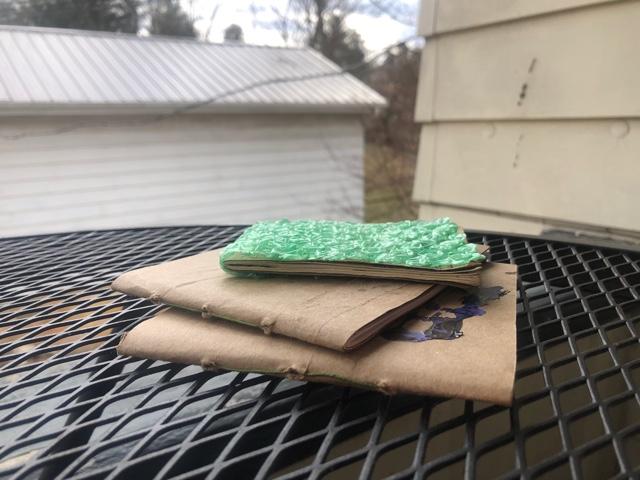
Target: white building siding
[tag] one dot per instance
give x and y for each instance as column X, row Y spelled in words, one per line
column 203, row 169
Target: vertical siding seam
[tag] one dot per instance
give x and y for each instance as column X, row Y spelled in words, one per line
column 432, row 168
column 436, row 13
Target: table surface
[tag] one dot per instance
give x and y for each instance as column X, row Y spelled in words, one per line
column 70, row 407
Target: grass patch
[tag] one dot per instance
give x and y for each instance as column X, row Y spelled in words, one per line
column 388, row 184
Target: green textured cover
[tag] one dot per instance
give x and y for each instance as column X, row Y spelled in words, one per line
column 436, row 244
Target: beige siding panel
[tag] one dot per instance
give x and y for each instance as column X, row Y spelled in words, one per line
column 122, row 172
column 582, row 64
column 437, row 16
column 483, row 221
column 427, row 81
column 427, row 14
column 491, row 221
column 584, row 172
column 425, row 164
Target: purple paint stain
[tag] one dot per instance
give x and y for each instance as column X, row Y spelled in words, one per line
column 449, row 327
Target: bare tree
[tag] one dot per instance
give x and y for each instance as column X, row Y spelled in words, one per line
column 104, row 15
column 168, row 18
column 306, row 21
column 212, row 17
column 401, row 12
column 392, row 135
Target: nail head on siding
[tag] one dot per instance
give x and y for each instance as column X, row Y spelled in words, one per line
column 620, row 129
column 489, row 130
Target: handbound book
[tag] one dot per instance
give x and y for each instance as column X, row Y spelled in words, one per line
column 460, row 344
column 336, row 313
column 419, row 251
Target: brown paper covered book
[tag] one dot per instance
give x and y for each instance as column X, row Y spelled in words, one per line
column 340, row 314
column 464, row 276
column 434, row 251
column 413, row 357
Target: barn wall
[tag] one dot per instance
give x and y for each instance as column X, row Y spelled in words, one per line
column 530, row 114
column 63, row 174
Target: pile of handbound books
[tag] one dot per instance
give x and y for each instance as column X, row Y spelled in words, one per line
column 406, row 307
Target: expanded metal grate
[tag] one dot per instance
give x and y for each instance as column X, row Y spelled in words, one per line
column 70, row 407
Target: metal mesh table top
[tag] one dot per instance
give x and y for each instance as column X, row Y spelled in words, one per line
column 70, row 407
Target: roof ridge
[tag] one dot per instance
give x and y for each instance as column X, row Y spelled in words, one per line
column 134, row 36
column 82, row 71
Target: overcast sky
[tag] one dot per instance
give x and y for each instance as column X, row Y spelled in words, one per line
column 377, row 32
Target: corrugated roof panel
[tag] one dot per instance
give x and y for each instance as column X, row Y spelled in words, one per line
column 23, row 73
column 216, row 70
column 108, row 68
column 199, row 89
column 38, row 63
column 200, row 68
column 59, row 68
column 4, row 94
column 87, row 67
column 290, row 92
column 65, row 83
column 123, row 75
column 16, row 91
column 147, row 69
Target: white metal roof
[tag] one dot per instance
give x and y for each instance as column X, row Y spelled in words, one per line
column 45, row 70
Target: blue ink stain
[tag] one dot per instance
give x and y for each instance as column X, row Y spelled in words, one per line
column 449, row 327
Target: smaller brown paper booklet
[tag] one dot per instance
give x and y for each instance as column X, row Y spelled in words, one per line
column 463, row 276
column 336, row 313
column 461, row 344
column 466, row 276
